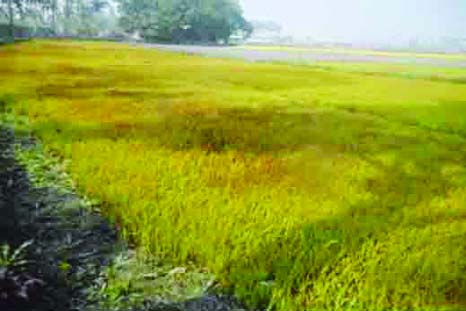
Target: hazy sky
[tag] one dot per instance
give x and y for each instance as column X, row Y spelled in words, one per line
column 363, row 20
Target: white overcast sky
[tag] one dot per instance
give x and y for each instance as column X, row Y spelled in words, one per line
column 363, row 20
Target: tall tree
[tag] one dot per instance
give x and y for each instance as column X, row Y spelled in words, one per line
column 184, row 20
column 11, row 24
column 138, row 15
column 54, row 12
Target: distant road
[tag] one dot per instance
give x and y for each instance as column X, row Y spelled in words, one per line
column 251, row 53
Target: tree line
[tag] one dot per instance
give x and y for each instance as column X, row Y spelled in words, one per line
column 59, row 17
column 184, row 20
column 179, row 21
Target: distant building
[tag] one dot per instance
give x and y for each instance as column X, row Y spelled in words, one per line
column 266, row 32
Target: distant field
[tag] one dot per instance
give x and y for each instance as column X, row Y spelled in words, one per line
column 327, row 186
column 353, row 51
column 313, row 54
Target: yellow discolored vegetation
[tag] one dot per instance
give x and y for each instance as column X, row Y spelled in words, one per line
column 301, row 187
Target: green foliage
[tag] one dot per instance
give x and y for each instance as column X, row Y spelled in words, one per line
column 132, row 279
column 15, row 284
column 138, row 15
column 156, row 20
column 13, row 259
column 52, row 17
column 45, row 171
column 184, row 20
